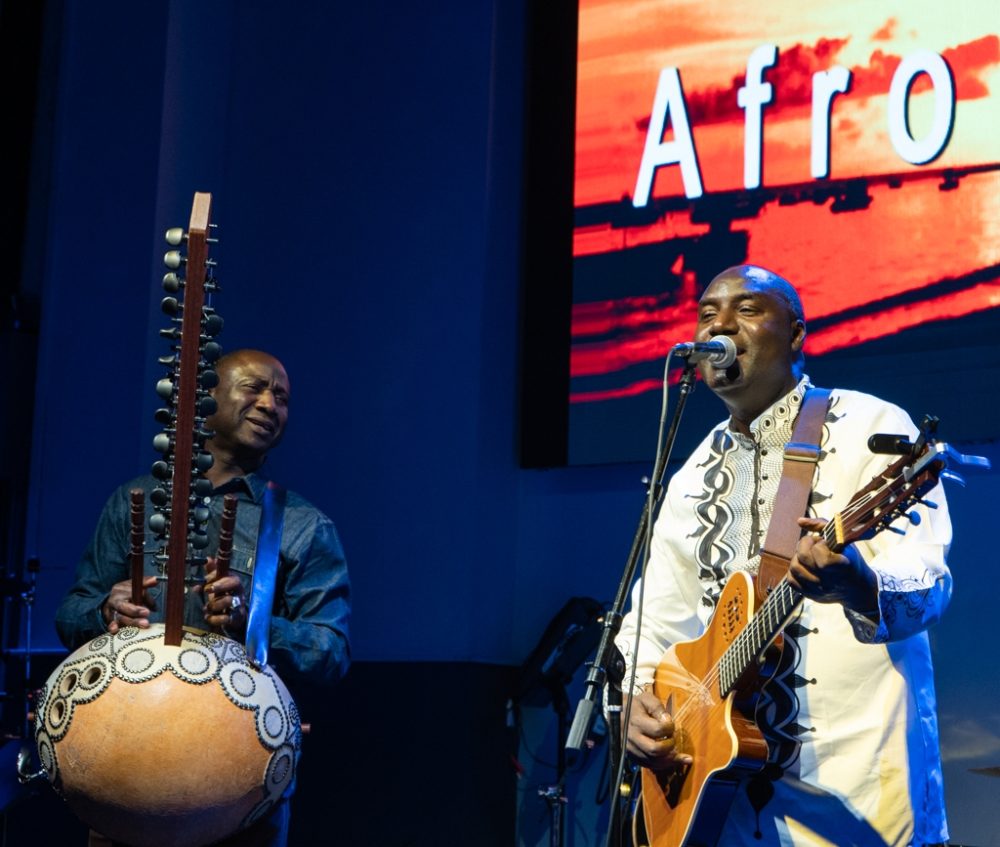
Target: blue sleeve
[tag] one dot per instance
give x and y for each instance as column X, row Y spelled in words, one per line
column 910, row 564
column 104, row 563
column 309, row 632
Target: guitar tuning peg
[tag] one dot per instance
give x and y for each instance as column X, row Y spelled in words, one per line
column 914, row 518
column 161, row 470
column 167, row 361
column 203, row 461
column 165, row 388
column 161, row 442
column 211, row 351
column 174, row 235
column 170, row 306
column 895, row 529
column 951, row 476
column 212, row 325
column 199, row 540
column 202, row 487
column 201, row 513
column 159, row 497
column 173, row 259
column 158, row 523
column 208, row 379
column 207, row 407
column 163, row 417
column 171, row 282
column 170, row 332
column 930, row 504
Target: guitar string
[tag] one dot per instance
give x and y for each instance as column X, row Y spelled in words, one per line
column 861, row 503
column 865, row 501
column 740, row 644
column 751, row 640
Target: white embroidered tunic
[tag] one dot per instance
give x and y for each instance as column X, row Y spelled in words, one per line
column 850, row 715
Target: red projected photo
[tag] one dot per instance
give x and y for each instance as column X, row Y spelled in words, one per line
column 853, row 147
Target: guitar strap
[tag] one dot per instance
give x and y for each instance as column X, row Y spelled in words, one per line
column 265, row 574
column 794, row 488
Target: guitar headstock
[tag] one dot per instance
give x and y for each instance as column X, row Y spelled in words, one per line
column 904, row 484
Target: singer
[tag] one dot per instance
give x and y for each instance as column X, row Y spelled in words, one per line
column 849, row 716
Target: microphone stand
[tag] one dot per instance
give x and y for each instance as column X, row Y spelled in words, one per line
column 609, row 665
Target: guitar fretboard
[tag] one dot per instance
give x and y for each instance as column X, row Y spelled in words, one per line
column 871, row 509
column 749, row 646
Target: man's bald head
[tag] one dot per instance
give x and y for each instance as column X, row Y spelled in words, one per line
column 252, row 398
column 761, row 313
column 778, row 285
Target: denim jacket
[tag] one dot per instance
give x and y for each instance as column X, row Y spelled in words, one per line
column 309, row 625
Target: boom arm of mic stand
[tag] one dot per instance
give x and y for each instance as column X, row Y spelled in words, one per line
column 605, row 662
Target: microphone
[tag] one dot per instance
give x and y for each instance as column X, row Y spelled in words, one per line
column 885, row 442
column 719, row 351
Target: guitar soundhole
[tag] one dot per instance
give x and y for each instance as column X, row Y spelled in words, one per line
column 733, row 621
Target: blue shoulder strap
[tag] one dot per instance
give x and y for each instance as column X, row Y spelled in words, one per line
column 265, row 574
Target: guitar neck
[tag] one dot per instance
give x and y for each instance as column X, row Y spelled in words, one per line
column 781, row 604
column 871, row 509
column 748, row 647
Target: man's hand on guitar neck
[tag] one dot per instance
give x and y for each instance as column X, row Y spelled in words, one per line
column 650, row 734
column 828, row 577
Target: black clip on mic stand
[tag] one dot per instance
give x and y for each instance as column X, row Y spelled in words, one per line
column 608, row 664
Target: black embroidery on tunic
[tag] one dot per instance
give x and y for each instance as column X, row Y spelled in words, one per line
column 910, row 597
column 715, row 516
column 778, row 706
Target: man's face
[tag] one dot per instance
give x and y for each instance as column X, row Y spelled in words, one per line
column 742, row 304
column 252, row 397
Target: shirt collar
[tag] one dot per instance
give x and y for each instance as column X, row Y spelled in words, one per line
column 774, row 424
column 253, row 484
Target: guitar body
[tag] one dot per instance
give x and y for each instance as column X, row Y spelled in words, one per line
column 689, row 806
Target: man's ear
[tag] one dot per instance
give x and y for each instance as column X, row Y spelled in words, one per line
column 798, row 335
